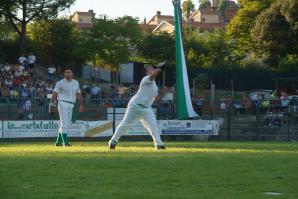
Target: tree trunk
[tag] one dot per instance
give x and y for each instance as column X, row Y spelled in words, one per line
column 23, row 29
column 23, row 37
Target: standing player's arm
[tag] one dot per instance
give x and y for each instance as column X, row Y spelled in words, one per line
column 80, row 99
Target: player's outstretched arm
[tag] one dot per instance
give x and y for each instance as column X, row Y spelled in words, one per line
column 154, row 75
column 159, row 68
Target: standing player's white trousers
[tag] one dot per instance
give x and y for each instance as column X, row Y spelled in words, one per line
column 65, row 113
column 132, row 116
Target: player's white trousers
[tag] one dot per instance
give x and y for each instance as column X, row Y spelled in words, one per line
column 132, row 116
column 65, row 112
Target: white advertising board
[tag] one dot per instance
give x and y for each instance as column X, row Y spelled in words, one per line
column 189, row 127
column 49, row 128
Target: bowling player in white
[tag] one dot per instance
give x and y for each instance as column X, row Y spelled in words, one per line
column 139, row 109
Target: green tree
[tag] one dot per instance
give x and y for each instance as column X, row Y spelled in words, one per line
column 204, row 4
column 222, row 6
column 273, row 35
column 238, row 30
column 289, row 9
column 20, row 13
column 111, row 41
column 155, row 48
column 56, row 41
column 187, row 7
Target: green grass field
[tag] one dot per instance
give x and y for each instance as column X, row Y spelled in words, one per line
column 186, row 170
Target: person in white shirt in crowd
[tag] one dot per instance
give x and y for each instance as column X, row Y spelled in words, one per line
column 49, row 88
column 21, row 68
column 139, row 108
column 86, row 91
column 66, row 91
column 95, row 92
column 51, row 72
column 284, row 101
column 223, row 104
column 22, row 60
column 31, row 63
column 6, row 68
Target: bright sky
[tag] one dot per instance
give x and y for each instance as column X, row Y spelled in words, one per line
column 119, row 8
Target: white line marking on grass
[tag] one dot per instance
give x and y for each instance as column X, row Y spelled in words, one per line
column 273, row 193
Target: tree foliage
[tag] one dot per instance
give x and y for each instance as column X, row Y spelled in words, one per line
column 111, row 41
column 20, row 12
column 156, row 48
column 238, row 30
column 204, row 4
column 187, row 7
column 56, row 41
column 272, row 35
column 222, row 6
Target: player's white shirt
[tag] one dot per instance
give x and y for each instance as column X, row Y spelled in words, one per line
column 146, row 94
column 67, row 90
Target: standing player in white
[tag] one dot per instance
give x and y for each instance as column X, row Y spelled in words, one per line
column 66, row 91
column 139, row 108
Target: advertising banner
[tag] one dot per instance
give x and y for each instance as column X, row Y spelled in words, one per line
column 49, row 128
column 189, row 127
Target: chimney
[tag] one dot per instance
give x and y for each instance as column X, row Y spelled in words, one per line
column 145, row 22
column 90, row 11
column 158, row 13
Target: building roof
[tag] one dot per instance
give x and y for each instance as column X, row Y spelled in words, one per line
column 161, row 24
column 89, row 13
column 161, row 17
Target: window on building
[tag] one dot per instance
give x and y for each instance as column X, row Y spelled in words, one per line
column 203, row 19
column 80, row 20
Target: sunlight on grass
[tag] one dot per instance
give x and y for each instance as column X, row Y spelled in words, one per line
column 37, row 149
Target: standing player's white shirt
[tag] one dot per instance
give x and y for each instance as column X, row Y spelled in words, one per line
column 146, row 94
column 67, row 90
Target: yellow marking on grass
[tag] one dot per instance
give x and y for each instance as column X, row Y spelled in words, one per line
column 77, row 148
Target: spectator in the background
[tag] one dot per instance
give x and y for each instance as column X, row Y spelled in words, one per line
column 284, row 101
column 22, row 60
column 27, row 109
column 31, row 63
column 223, row 104
column 247, row 104
column 256, row 98
column 51, row 72
column 86, row 90
column 199, row 103
column 95, row 92
column 41, row 101
column 49, row 88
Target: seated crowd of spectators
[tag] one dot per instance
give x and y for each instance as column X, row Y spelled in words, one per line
column 273, row 107
column 18, row 85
